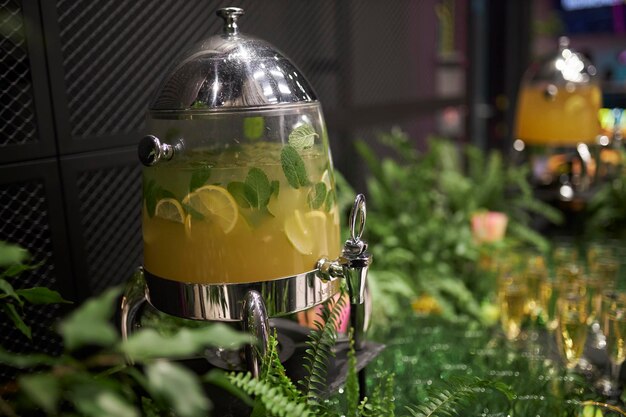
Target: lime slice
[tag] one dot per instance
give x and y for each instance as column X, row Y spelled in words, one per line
column 170, row 209
column 214, row 203
column 299, row 234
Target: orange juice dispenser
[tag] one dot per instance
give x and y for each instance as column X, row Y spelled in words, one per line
column 240, row 220
column 557, row 124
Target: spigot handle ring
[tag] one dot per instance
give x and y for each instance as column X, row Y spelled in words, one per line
column 357, row 218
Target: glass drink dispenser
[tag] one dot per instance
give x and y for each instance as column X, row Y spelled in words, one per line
column 557, row 122
column 240, row 220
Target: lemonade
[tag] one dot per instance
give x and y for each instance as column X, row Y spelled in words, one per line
column 251, row 212
column 547, row 115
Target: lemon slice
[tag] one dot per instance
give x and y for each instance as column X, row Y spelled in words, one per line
column 299, row 234
column 170, row 209
column 214, row 203
column 316, row 222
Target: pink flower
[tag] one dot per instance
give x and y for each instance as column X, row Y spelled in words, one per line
column 489, row 226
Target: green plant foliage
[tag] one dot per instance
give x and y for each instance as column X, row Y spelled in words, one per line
column 12, row 300
column 90, row 323
column 151, row 344
column 276, row 403
column 320, row 344
column 458, row 393
column 606, row 212
column 419, row 221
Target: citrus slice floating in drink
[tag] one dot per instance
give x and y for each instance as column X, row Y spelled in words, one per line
column 316, row 223
column 299, row 233
column 214, row 203
column 170, row 209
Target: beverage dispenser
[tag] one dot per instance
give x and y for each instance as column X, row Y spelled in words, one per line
column 240, row 217
column 557, row 124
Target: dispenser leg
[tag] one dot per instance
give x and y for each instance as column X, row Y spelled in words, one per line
column 255, row 321
column 133, row 301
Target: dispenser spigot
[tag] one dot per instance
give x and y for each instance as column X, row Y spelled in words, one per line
column 354, row 262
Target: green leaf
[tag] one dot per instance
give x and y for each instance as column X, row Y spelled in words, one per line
column 330, row 200
column 23, row 361
column 41, row 295
column 238, row 190
column 199, row 177
column 11, row 311
column 150, row 344
column 17, row 269
column 220, row 379
column 43, row 389
column 149, row 192
column 317, row 195
column 275, row 187
column 90, row 323
column 153, row 193
column 258, row 185
column 94, row 398
column 179, row 387
column 195, row 214
column 253, row 127
column 11, row 254
column 302, row 137
column 7, row 289
column 293, row 167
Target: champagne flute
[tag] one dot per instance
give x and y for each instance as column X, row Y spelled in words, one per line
column 614, row 329
column 572, row 326
column 512, row 295
column 536, row 276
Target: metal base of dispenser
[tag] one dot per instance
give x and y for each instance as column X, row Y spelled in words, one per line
column 224, row 302
column 250, row 303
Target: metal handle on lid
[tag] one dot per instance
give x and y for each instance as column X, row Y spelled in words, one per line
column 230, row 16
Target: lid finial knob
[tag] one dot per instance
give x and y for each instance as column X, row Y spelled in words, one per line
column 230, row 16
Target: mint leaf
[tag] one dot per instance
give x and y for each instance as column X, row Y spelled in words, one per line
column 195, row 214
column 258, row 187
column 238, row 190
column 149, row 192
column 153, row 193
column 275, row 186
column 302, row 137
column 330, row 200
column 293, row 167
column 199, row 177
column 253, row 127
column 317, row 195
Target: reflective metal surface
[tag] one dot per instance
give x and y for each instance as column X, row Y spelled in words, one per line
column 152, row 150
column 224, row 302
column 230, row 71
column 255, row 322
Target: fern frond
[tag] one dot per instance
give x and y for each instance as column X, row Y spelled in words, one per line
column 320, row 344
column 270, row 396
column 458, row 393
column 273, row 372
column 352, row 381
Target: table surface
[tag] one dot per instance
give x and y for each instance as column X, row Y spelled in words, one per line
column 425, row 352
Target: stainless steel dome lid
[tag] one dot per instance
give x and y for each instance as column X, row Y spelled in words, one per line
column 565, row 67
column 231, row 71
